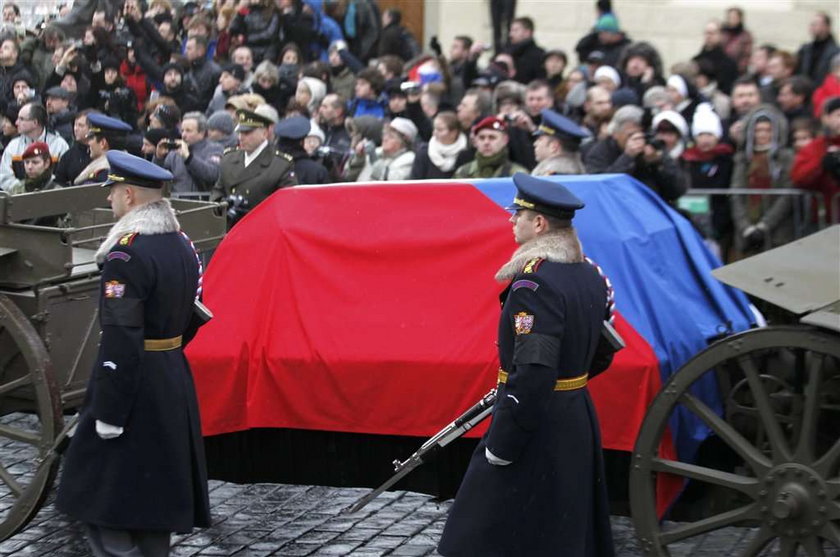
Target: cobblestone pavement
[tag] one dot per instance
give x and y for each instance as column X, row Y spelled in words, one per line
column 292, row 520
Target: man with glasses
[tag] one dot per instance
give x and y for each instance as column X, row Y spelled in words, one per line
column 31, row 125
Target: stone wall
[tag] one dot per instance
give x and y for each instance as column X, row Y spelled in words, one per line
column 675, row 27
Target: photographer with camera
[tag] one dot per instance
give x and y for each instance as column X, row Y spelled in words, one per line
column 628, row 150
column 193, row 160
column 817, row 165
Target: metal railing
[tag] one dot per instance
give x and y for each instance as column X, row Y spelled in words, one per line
column 808, row 210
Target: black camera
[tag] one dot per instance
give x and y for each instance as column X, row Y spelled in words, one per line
column 170, row 143
column 238, row 207
column 655, row 142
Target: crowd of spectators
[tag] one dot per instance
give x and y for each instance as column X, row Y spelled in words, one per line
column 377, row 106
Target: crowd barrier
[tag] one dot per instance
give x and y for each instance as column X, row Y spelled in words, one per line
column 808, row 210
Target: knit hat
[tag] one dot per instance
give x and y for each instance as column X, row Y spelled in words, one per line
column 154, row 135
column 110, row 62
column 608, row 72
column 222, row 121
column 678, row 82
column 316, row 131
column 172, row 66
column 405, row 128
column 706, row 121
column 607, row 22
column 672, row 117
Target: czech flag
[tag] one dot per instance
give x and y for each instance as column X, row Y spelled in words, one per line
column 372, row 308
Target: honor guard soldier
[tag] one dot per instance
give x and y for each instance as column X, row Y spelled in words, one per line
column 105, row 134
column 557, row 147
column 290, row 135
column 135, row 468
column 254, row 170
column 535, row 484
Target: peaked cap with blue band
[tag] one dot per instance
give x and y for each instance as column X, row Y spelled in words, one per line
column 544, row 196
column 101, row 124
column 293, row 127
column 555, row 124
column 128, row 169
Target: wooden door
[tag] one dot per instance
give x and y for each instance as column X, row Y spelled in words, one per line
column 412, row 15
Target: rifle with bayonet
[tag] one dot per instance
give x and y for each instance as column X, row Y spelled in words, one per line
column 462, row 424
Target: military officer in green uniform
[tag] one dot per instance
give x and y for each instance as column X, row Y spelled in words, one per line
column 490, row 138
column 254, row 170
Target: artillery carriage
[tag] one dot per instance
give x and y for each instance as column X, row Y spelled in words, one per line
column 49, row 333
column 771, row 460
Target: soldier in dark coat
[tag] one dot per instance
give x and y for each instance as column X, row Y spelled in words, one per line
column 255, row 170
column 135, row 469
column 290, row 134
column 535, row 484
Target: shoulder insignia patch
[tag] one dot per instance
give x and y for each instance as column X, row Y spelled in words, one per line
column 529, row 284
column 118, row 256
column 532, row 265
column 127, row 239
column 523, row 323
column 114, row 289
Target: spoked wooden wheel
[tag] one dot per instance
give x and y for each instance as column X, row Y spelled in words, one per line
column 30, row 420
column 782, row 478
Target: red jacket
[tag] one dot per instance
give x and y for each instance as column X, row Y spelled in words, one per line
column 135, row 79
column 808, row 173
column 829, row 88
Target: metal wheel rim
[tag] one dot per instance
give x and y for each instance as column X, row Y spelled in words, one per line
column 41, row 378
column 645, row 462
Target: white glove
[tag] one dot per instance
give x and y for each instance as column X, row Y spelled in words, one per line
column 494, row 460
column 108, row 431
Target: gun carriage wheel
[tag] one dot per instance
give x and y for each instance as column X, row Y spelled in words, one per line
column 779, row 426
column 30, row 406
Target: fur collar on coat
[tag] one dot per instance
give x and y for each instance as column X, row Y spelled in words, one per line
column 156, row 217
column 558, row 246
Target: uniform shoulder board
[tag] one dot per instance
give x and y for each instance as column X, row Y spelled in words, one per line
column 230, row 150
column 532, row 265
column 127, row 239
column 286, row 156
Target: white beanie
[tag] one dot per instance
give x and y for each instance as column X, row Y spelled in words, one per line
column 404, row 127
column 316, row 131
column 674, row 118
column 706, row 121
column 610, row 73
column 678, row 83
